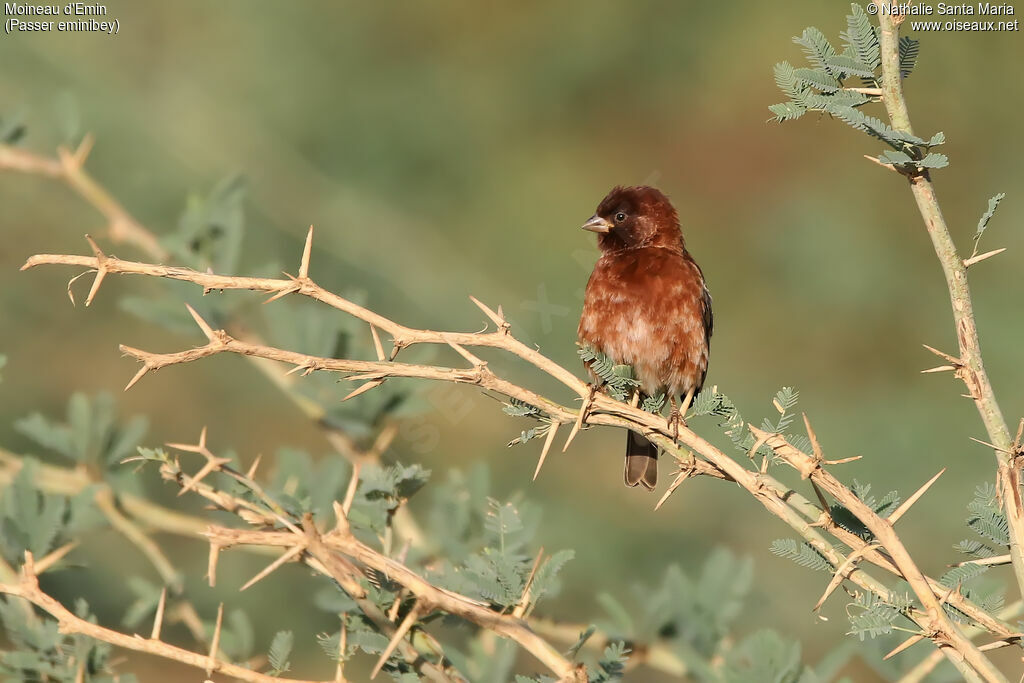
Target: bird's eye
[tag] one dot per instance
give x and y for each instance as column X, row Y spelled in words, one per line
column 619, row 217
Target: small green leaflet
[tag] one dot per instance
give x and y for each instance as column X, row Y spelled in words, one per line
column 280, row 649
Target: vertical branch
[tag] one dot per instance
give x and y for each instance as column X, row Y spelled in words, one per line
column 972, row 370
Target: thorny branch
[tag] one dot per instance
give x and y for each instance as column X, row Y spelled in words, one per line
column 156, row 518
column 801, row 514
column 603, row 410
column 338, row 554
column 28, row 588
column 969, row 366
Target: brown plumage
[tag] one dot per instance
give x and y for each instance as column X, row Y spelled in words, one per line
column 646, row 305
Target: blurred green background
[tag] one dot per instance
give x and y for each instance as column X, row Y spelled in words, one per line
column 446, row 149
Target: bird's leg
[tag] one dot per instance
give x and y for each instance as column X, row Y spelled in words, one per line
column 676, row 416
column 673, row 419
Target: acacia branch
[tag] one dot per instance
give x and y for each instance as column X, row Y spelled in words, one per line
column 66, row 481
column 600, row 409
column 336, row 554
column 429, row 597
column 69, row 482
column 28, row 589
column 304, row 286
column 921, row 670
column 957, row 647
column 969, row 366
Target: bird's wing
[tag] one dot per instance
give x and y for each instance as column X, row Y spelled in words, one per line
column 709, row 317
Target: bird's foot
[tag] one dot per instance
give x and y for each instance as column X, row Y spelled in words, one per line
column 588, row 402
column 678, row 415
column 675, row 418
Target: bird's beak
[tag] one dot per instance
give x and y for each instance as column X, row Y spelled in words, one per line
column 597, row 224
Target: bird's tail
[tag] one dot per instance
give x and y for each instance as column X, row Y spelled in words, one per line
column 641, row 462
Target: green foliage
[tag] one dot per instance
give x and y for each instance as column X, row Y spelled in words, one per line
column 38, row 651
column 993, row 204
column 870, row 616
column 960, row 575
column 874, row 127
column 91, row 435
column 382, row 489
column 517, row 408
column 361, row 636
column 801, row 552
column 909, row 49
column 12, row 128
column 237, row 635
column 821, row 80
column 765, row 656
column 393, row 483
column 861, row 41
column 308, row 328
column 581, row 641
column 823, row 88
column 933, row 160
column 617, row 379
column 987, row 518
column 37, row 522
column 816, row 47
column 712, row 403
column 653, row 404
column 974, row 548
column 482, row 551
column 786, row 111
column 692, row 615
column 301, row 484
column 882, row 507
column 612, row 663
column 280, row 650
column 210, row 231
column 694, row 618
column 989, row 597
column 147, row 596
column 490, row 662
column 849, row 66
column 459, row 505
column 498, row 571
column 528, row 435
column 208, row 237
column 737, row 429
column 785, row 401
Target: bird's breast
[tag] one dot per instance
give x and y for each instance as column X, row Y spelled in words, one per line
column 645, row 310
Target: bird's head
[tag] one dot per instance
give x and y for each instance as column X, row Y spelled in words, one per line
column 634, row 217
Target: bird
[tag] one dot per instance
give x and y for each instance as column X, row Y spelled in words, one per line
column 647, row 305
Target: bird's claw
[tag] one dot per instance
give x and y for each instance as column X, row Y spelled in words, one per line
column 675, row 419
